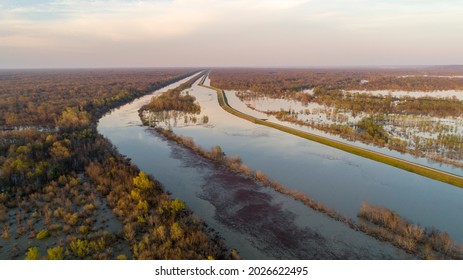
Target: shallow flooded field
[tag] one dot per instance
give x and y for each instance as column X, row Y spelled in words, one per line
column 401, row 127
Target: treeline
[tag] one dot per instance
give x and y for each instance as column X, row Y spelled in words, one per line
column 68, row 194
column 358, row 103
column 386, row 225
column 278, row 82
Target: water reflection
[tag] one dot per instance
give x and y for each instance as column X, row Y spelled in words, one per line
column 259, row 222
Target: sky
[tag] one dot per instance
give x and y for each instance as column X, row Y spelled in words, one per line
column 229, row 33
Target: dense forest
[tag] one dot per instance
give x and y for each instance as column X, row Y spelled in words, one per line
column 66, row 193
column 277, row 81
column 38, row 97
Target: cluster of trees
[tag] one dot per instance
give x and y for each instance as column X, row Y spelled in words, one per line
column 370, row 129
column 68, row 193
column 426, row 243
column 172, row 106
column 174, row 100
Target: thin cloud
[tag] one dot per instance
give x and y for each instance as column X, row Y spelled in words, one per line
column 229, row 32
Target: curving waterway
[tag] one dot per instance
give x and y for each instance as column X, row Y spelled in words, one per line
column 261, row 223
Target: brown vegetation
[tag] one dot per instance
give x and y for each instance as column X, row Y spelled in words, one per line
column 279, row 82
column 39, row 97
column 386, row 225
column 155, row 226
column 173, row 105
column 357, row 103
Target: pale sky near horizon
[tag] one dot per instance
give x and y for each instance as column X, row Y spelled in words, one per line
column 229, row 33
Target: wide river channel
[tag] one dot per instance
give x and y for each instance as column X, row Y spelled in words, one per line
column 263, row 224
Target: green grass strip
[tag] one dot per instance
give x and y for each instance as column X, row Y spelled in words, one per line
column 396, row 162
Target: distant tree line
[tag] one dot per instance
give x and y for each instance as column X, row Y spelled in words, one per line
column 277, row 82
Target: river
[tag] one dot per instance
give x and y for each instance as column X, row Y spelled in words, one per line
column 261, row 223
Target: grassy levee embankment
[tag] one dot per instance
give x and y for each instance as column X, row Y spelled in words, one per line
column 396, row 162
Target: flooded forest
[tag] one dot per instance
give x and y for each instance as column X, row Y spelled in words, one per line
column 148, row 164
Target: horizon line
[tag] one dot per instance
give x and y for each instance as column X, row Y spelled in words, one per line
column 379, row 66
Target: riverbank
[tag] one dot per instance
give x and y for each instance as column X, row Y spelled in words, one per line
column 384, row 224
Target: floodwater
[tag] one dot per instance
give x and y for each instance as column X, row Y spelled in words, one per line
column 318, row 116
column 261, row 223
column 458, row 94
